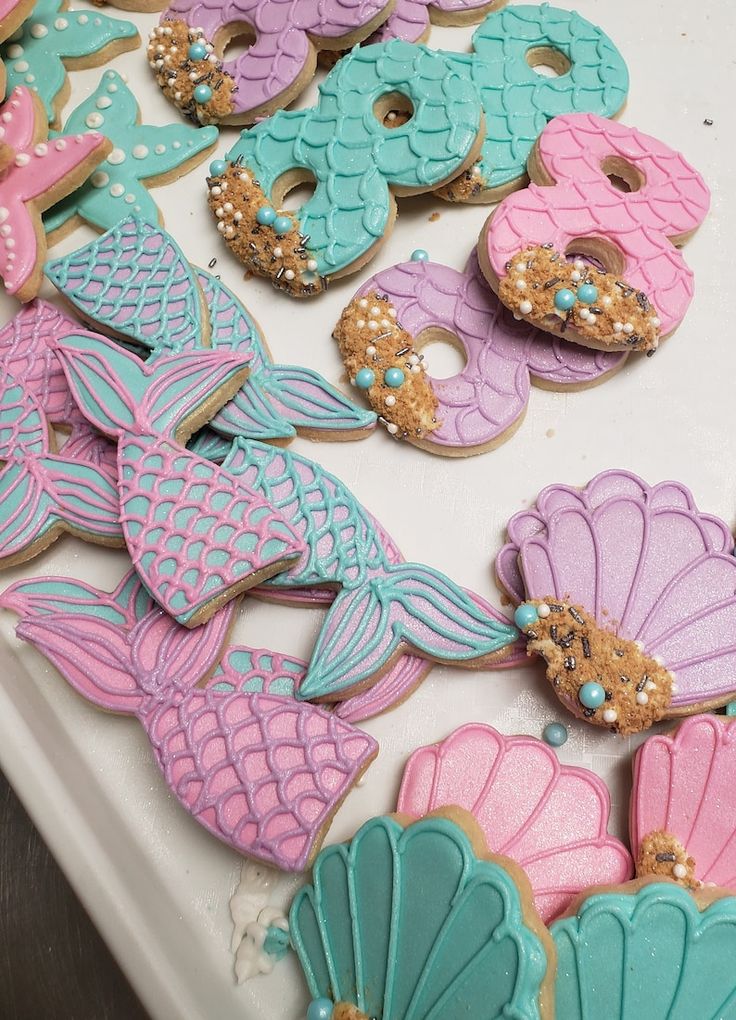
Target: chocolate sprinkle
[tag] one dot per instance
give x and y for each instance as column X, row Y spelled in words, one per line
column 665, row 857
column 576, row 615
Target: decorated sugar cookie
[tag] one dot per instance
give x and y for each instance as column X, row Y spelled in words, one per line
column 550, row 818
column 143, row 156
column 381, row 332
column 647, row 950
column 683, row 804
column 273, row 403
column 416, row 921
column 357, row 157
column 35, row 172
column 623, row 203
column 185, row 51
column 55, row 40
column 410, row 19
column 260, row 771
column 627, row 591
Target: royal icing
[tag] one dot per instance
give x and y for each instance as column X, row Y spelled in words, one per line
column 408, row 924
column 141, row 155
column 263, row 773
column 41, row 493
column 383, row 608
column 12, row 15
column 341, row 224
column 635, row 574
column 638, row 287
column 550, row 818
column 652, row 951
column 255, row 920
column 196, row 535
column 683, row 810
column 383, row 327
column 39, row 172
column 410, row 19
column 35, row 55
column 183, row 51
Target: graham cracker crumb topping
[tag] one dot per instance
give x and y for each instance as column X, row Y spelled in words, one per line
column 471, row 182
column 663, row 855
column 178, row 75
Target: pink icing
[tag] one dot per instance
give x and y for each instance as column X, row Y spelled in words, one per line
column 410, row 19
column 12, row 15
column 37, row 168
column 671, row 202
column 684, row 784
column 485, row 400
column 262, row 773
column 646, row 563
column 550, row 818
column 282, row 46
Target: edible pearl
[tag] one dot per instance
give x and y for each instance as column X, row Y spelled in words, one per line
column 526, row 615
column 289, row 274
column 312, row 265
column 628, row 328
column 679, row 871
column 618, row 327
column 393, row 429
column 555, row 734
column 591, row 695
column 370, row 350
column 642, row 698
column 278, row 252
column 526, row 307
column 390, row 400
column 521, row 284
column 543, row 610
column 610, row 715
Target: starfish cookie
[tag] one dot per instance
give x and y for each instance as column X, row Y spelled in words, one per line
column 54, row 40
column 40, row 173
column 143, row 154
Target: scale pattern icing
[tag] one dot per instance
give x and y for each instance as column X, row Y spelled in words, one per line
column 410, row 19
column 683, row 786
column 646, row 952
column 550, row 818
column 262, row 773
column 646, row 563
column 670, row 204
column 367, row 934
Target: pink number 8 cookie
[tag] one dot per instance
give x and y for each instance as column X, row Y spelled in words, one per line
column 619, row 200
column 185, row 51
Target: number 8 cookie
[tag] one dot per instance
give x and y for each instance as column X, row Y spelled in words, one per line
column 619, row 200
column 347, row 146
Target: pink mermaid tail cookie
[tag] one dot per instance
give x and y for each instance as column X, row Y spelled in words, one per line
column 628, row 592
column 197, row 537
column 631, row 285
column 484, row 404
column 550, row 818
column 185, row 51
column 683, row 804
column 35, row 172
column 262, row 772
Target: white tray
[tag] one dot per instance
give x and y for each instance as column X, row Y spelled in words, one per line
column 156, row 884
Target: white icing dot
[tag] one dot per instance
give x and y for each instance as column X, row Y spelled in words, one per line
column 94, row 120
column 39, row 31
column 15, row 51
column 642, row 698
column 117, row 190
column 4, row 213
column 99, row 179
column 543, row 610
column 9, row 242
column 140, row 151
column 610, row 715
column 618, row 327
column 362, row 303
column 289, row 274
column 159, row 150
column 41, row 149
column 29, row 79
column 82, row 19
column 21, row 67
column 525, row 307
column 112, row 88
column 521, row 284
column 679, row 871
column 116, row 157
column 103, row 103
column 177, row 145
column 390, row 400
column 628, row 328
column 130, row 199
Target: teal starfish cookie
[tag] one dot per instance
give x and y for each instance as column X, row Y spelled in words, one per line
column 53, row 40
column 143, row 155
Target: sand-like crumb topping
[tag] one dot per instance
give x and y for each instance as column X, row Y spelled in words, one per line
column 178, row 75
column 346, row 1011
column 234, row 200
column 608, row 313
column 638, row 690
column 663, row 855
column 370, row 338
column 470, row 183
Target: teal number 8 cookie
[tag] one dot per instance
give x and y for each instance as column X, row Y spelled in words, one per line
column 391, row 117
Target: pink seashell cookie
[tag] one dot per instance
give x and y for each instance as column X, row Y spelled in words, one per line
column 628, row 592
column 549, row 818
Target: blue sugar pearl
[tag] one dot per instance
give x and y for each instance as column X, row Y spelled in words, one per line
column 526, row 615
column 564, row 299
column 197, row 51
column 365, row 378
column 393, row 377
column 591, row 695
column 282, row 225
column 554, row 734
column 731, row 708
column 419, row 255
column 202, row 94
column 320, row 1009
column 217, row 167
column 266, row 216
column 587, row 293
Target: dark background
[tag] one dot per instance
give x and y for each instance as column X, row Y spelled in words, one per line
column 53, row 964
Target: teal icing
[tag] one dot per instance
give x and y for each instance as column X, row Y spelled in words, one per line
column 34, row 57
column 149, row 152
column 408, row 924
column 518, row 102
column 648, row 952
column 353, row 157
column 27, row 509
column 276, row 943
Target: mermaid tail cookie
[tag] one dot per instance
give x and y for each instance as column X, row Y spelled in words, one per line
column 263, row 773
column 196, row 536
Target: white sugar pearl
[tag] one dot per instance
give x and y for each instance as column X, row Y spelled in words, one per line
column 642, row 698
column 543, row 610
column 390, row 400
column 278, row 252
column 628, row 328
column 392, row 312
column 655, row 321
column 413, row 359
column 416, row 369
column 228, row 207
column 525, row 307
column 607, row 301
column 650, row 685
column 386, row 324
column 610, row 715
column 41, row 149
column 375, row 310
column 584, row 313
column 22, row 159
column 216, row 191
column 370, row 350
column 237, row 216
column 521, row 284
column 373, row 324
column 219, row 212
column 520, row 267
column 579, row 265
column 312, row 265
column 289, row 274
column 679, row 871
column 221, row 226
column 360, row 323
column 618, row 327
column 362, row 303
column 393, row 429
column 576, row 277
